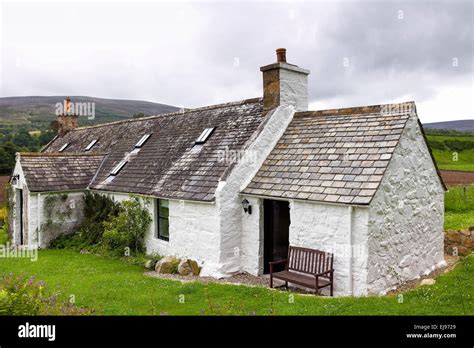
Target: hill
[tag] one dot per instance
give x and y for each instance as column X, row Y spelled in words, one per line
column 458, row 125
column 38, row 112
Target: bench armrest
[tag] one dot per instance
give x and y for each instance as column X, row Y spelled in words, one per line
column 323, row 273
column 272, row 263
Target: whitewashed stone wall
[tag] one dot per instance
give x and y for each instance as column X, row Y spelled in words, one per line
column 327, row 227
column 252, row 238
column 39, row 234
column 406, row 216
column 21, row 185
column 294, row 88
column 193, row 230
column 34, row 215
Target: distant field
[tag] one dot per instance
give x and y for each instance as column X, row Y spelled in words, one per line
column 453, row 152
column 445, row 160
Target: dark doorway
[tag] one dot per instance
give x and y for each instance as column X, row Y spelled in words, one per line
column 276, row 225
column 20, row 213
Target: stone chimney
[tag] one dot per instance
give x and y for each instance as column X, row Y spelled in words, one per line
column 67, row 121
column 284, row 84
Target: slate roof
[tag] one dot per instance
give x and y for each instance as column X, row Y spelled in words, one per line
column 59, row 172
column 169, row 165
column 337, row 156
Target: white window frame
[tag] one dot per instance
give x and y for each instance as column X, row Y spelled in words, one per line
column 142, row 140
column 63, row 147
column 118, row 168
column 206, row 133
column 91, row 144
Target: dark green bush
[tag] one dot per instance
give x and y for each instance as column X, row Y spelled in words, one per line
column 97, row 209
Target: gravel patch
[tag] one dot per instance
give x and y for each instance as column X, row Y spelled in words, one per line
column 264, row 281
column 236, row 279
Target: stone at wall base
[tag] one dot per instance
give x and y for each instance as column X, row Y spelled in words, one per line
column 427, row 282
column 167, row 265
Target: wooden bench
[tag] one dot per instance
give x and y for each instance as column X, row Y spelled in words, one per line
column 307, row 267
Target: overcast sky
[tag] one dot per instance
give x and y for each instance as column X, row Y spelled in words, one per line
column 191, row 54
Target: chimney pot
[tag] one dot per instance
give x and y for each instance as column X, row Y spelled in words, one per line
column 284, row 84
column 281, row 55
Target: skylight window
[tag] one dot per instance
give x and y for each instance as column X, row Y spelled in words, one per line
column 91, row 144
column 118, row 168
column 204, row 136
column 63, row 147
column 142, row 141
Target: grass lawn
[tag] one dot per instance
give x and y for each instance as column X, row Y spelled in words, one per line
column 459, row 207
column 113, row 287
column 458, row 221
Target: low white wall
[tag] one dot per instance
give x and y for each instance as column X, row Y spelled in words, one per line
column 39, row 232
column 326, row 227
column 406, row 216
column 193, row 232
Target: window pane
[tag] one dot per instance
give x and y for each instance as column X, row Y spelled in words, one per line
column 164, row 228
column 164, row 210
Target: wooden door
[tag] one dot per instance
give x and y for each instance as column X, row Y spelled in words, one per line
column 276, row 226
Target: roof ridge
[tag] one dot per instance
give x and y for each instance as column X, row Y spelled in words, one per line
column 58, row 154
column 208, row 107
column 390, row 109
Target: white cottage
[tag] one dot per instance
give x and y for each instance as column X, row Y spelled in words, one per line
column 359, row 182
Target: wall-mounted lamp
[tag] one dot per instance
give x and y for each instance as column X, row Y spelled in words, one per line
column 14, row 179
column 247, row 207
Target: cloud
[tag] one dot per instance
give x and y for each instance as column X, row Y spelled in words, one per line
column 198, row 53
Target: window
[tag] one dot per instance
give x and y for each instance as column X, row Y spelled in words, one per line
column 118, row 168
column 91, row 144
column 204, row 135
column 63, row 147
column 142, row 141
column 162, row 215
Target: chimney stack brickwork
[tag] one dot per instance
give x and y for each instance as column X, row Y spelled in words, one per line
column 67, row 122
column 284, row 84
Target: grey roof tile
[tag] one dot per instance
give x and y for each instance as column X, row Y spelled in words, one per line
column 169, row 165
column 345, row 151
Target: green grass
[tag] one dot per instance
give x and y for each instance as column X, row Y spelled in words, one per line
column 444, row 160
column 3, row 237
column 458, row 221
column 459, row 207
column 113, row 287
column 459, row 199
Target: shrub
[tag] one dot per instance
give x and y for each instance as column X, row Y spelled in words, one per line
column 97, row 209
column 128, row 228
column 27, row 296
